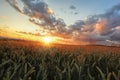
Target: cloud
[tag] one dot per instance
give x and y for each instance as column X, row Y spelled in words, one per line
column 93, row 29
column 115, row 35
column 72, row 7
column 76, row 13
column 29, row 33
column 40, row 10
column 99, row 27
column 102, row 28
column 35, row 9
column 17, row 4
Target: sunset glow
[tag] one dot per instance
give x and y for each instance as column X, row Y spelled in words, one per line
column 48, row 40
column 59, row 39
column 62, row 22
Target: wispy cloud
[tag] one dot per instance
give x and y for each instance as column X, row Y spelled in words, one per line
column 29, row 33
column 17, row 4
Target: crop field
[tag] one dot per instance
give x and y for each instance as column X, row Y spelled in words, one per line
column 26, row 60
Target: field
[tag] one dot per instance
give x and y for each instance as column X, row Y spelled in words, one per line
column 26, row 60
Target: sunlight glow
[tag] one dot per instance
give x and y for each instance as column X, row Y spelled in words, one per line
column 48, row 40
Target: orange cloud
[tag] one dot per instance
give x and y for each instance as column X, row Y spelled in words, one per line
column 100, row 26
column 4, row 17
column 50, row 11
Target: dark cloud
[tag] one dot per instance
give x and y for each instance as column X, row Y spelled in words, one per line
column 60, row 25
column 77, row 25
column 76, row 13
column 72, row 7
column 40, row 10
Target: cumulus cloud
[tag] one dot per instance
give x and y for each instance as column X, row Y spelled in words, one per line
column 40, row 10
column 95, row 28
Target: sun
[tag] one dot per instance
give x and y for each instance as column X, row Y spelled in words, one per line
column 48, row 40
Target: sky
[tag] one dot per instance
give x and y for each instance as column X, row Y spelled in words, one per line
column 81, row 8
column 68, row 21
